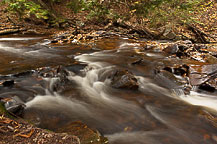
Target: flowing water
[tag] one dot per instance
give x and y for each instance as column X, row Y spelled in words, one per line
column 157, row 113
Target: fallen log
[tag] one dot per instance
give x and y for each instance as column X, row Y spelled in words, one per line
column 142, row 32
column 200, row 34
column 9, row 31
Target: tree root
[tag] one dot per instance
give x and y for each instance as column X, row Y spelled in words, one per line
column 142, row 32
column 202, row 36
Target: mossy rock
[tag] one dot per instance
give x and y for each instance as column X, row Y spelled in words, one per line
column 2, row 109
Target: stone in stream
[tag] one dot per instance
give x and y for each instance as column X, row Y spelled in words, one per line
column 137, row 62
column 50, row 72
column 123, row 79
column 181, row 70
column 171, row 49
column 59, row 72
column 200, row 74
column 167, row 79
column 183, row 48
column 205, row 77
column 14, row 105
column 180, row 48
column 26, row 73
column 207, row 87
column 63, row 82
column 169, row 69
column 8, row 83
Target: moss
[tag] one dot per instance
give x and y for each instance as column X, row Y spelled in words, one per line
column 2, row 109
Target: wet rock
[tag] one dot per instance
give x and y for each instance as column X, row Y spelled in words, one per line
column 76, row 68
column 63, row 82
column 57, row 79
column 22, row 74
column 8, row 83
column 137, row 62
column 209, row 69
column 183, row 48
column 171, row 49
column 181, row 54
column 197, row 79
column 209, row 59
column 167, row 79
column 61, row 85
column 45, row 72
column 14, row 105
column 201, row 74
column 49, row 72
column 169, row 69
column 16, row 109
column 124, row 79
column 207, row 87
column 62, row 72
column 181, row 70
column 187, row 89
column 54, row 41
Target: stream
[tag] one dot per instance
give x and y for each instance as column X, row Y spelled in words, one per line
column 154, row 111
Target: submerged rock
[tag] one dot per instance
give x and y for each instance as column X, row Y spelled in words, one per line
column 207, row 87
column 84, row 133
column 8, row 83
column 124, row 79
column 171, row 49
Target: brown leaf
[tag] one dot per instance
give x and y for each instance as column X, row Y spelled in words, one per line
column 7, row 121
column 26, row 135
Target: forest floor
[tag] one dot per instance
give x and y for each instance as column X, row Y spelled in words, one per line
column 78, row 23
column 18, row 131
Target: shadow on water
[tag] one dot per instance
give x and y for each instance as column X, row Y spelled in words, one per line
column 157, row 112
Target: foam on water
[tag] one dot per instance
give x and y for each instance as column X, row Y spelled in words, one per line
column 201, row 99
column 10, row 49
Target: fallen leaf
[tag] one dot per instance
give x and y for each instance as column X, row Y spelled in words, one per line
column 26, row 135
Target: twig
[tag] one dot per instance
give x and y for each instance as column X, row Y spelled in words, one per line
column 2, row 131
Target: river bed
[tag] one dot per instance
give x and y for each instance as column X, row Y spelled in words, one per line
column 157, row 111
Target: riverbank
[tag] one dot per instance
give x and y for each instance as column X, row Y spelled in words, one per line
column 78, row 24
column 16, row 130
